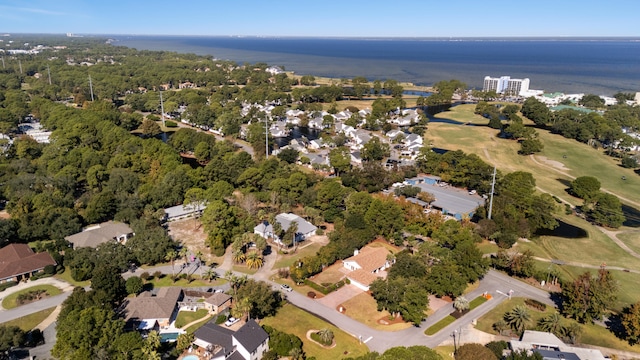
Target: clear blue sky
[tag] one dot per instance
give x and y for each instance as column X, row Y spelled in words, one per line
column 357, row 18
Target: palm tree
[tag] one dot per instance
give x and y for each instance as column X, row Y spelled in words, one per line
column 518, row 318
column 293, row 229
column 242, row 308
column 461, row 304
column 572, row 332
column 170, row 256
column 184, row 251
column 238, row 256
column 210, row 275
column 500, row 326
column 235, row 281
column 199, row 257
column 551, row 323
column 254, row 260
column 326, row 336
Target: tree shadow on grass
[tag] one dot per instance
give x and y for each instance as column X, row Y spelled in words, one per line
column 565, row 182
column 614, row 324
column 565, row 230
column 632, row 216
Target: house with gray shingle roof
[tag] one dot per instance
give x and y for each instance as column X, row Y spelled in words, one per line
column 305, row 228
column 150, row 311
column 250, row 342
column 95, row 235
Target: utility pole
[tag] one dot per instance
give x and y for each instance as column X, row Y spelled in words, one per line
column 161, row 108
column 49, row 73
column 91, row 88
column 493, row 185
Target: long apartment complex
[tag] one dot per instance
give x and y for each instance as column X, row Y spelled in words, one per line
column 506, row 85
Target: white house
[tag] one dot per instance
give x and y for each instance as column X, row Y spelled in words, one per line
column 550, row 347
column 305, row 228
column 366, row 265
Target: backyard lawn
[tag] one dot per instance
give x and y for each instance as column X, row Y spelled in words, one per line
column 11, row 300
column 186, row 317
column 293, row 320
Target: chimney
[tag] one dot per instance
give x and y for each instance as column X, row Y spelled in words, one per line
column 356, row 252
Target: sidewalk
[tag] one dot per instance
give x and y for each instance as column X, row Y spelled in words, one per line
column 62, row 285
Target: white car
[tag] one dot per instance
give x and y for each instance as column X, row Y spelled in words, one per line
column 286, row 287
column 231, row 321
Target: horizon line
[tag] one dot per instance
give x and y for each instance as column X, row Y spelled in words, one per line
column 443, row 37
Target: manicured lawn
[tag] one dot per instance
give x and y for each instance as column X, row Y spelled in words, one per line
column 592, row 334
column 191, row 329
column 27, row 323
column 244, row 269
column 485, row 323
column 477, row 302
column 631, row 239
column 286, row 260
column 185, row 317
column 296, row 321
column 66, row 276
column 446, row 352
column 582, row 249
column 433, row 329
column 166, row 281
column 10, row 301
column 483, row 141
column 628, row 291
column 487, row 247
column 364, row 309
column 446, row 321
column 329, row 275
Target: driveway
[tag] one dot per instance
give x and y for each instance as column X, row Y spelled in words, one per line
column 340, row 296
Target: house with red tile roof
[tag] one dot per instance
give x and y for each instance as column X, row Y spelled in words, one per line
column 18, row 261
column 366, row 265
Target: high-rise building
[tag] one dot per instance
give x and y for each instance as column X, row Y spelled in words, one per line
column 505, row 84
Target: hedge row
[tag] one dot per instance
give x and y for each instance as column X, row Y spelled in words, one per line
column 325, row 289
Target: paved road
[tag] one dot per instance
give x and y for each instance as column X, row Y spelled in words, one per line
column 376, row 340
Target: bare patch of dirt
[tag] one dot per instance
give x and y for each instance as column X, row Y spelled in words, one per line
column 388, row 321
column 4, row 215
column 556, row 164
column 190, row 233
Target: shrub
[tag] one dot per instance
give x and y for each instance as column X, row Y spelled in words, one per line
column 50, row 269
column 535, row 304
column 221, row 319
column 8, row 285
column 283, row 273
column 311, row 294
column 145, row 276
column 474, row 352
column 159, row 275
column 170, row 124
column 497, row 347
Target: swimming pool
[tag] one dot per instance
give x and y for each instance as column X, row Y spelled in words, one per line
column 191, row 357
column 169, row 337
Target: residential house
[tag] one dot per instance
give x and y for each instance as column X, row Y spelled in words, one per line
column 182, row 211
column 250, row 342
column 316, row 144
column 305, row 228
column 18, row 261
column 551, row 348
column 393, row 134
column 149, row 311
column 360, row 138
column 217, row 303
column 95, row 235
column 356, row 158
column 367, row 265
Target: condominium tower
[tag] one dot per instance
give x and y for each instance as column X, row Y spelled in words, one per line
column 506, row 85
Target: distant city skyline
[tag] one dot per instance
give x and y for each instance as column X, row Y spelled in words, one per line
column 354, row 18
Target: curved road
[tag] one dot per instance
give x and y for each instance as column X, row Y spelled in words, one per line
column 494, row 283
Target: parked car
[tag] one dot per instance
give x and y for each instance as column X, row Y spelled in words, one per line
column 286, row 287
column 231, row 321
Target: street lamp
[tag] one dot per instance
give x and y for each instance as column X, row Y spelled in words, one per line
column 455, row 348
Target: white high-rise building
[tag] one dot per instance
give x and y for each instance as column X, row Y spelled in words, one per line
column 505, row 84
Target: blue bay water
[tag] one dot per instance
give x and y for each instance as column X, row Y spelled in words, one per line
column 597, row 66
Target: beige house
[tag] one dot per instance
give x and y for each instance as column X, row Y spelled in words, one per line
column 150, row 311
column 217, row 303
column 366, row 265
column 95, row 235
